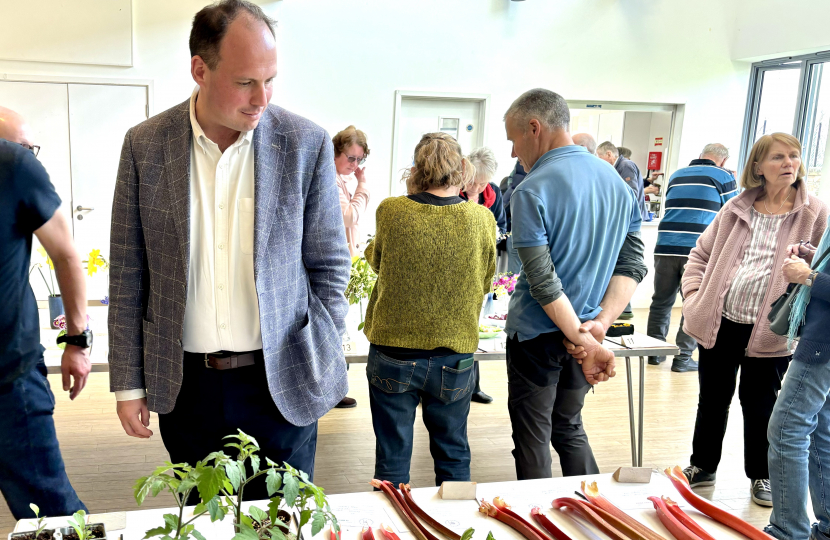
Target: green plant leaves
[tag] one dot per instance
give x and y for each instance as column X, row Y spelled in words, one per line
column 258, row 514
column 318, row 522
column 291, row 488
column 255, row 463
column 273, row 481
column 246, row 532
column 468, row 534
column 197, row 535
column 234, row 474
column 490, row 536
column 210, row 481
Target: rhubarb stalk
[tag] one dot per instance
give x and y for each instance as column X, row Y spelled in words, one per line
column 397, row 501
column 333, row 535
column 587, row 512
column 670, row 522
column 686, row 520
column 504, row 507
column 733, row 522
column 548, row 525
column 410, row 503
column 388, row 533
column 592, row 493
column 518, row 525
column 367, row 534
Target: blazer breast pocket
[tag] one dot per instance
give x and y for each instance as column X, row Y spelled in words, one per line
column 246, row 226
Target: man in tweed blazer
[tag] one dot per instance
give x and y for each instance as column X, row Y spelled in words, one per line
column 229, row 259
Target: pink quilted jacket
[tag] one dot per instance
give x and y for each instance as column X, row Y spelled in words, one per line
column 714, row 261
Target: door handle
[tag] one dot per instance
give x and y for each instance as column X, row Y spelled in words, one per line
column 84, row 208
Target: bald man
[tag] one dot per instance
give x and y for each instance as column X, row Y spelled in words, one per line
column 586, row 141
column 31, row 466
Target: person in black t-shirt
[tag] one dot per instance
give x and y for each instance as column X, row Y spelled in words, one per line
column 31, row 466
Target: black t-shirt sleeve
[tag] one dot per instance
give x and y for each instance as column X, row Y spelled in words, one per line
column 37, row 198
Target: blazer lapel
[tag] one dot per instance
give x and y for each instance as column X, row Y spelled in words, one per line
column 269, row 157
column 177, row 173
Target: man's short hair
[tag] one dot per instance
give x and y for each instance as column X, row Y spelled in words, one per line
column 549, row 108
column 211, row 24
column 624, row 152
column 715, row 150
column 608, row 146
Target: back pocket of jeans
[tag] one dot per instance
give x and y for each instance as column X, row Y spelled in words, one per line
column 390, row 375
column 455, row 384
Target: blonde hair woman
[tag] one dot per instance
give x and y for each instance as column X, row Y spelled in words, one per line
column 730, row 280
column 435, row 258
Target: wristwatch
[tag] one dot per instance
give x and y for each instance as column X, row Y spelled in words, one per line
column 811, row 279
column 83, row 340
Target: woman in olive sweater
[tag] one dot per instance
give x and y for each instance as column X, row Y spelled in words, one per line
column 435, row 259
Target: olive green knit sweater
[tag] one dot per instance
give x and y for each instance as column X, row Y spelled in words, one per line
column 434, row 266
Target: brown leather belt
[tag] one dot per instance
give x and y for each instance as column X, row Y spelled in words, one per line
column 230, row 362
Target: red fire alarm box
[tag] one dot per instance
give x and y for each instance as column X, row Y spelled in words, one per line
column 655, row 160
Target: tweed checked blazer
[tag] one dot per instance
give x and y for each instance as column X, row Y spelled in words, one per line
column 301, row 262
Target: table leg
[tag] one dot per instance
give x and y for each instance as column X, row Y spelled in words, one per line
column 631, row 412
column 642, row 408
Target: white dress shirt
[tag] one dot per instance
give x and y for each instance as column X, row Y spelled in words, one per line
column 222, row 309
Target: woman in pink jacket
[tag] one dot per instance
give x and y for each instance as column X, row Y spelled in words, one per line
column 350, row 152
column 731, row 278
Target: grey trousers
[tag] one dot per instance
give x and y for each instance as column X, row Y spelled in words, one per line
column 546, row 409
column 668, row 271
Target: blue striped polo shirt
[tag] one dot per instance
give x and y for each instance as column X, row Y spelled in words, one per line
column 694, row 196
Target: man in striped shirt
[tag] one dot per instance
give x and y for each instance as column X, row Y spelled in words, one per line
column 694, row 195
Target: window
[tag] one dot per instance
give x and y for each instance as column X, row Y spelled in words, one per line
column 792, row 95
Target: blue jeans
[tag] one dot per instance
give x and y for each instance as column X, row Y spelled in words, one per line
column 668, row 272
column 396, row 387
column 799, row 453
column 31, row 466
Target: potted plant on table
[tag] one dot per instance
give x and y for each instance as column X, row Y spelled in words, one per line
column 39, row 533
column 361, row 283
column 220, row 482
column 55, row 302
column 79, row 529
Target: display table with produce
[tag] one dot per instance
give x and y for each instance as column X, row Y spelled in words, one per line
column 356, row 512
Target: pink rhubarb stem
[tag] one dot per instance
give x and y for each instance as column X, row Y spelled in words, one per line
column 733, row 522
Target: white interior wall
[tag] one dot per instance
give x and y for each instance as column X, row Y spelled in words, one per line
column 636, row 131
column 340, row 62
column 766, row 29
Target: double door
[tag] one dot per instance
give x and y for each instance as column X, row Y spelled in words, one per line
column 80, row 129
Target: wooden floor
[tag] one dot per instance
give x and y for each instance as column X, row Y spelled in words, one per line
column 103, row 462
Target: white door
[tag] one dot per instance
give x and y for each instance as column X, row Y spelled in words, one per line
column 99, row 117
column 45, row 108
column 459, row 118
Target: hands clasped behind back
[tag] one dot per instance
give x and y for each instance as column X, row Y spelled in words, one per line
column 598, row 363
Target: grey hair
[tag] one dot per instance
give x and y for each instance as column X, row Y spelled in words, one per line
column 484, row 160
column 715, row 150
column 624, row 152
column 549, row 108
column 608, row 146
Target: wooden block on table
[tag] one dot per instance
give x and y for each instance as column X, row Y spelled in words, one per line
column 633, row 475
column 457, row 491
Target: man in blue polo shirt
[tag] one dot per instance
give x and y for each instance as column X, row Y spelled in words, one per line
column 576, row 228
column 694, row 196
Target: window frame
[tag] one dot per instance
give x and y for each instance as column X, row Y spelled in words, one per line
column 804, row 100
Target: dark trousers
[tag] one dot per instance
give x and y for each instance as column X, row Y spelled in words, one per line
column 668, row 271
column 213, row 403
column 546, row 393
column 758, row 390
column 396, row 387
column 31, row 466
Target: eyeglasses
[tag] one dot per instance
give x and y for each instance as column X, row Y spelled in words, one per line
column 35, row 149
column 360, row 160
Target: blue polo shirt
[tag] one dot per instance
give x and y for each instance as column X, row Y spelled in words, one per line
column 574, row 203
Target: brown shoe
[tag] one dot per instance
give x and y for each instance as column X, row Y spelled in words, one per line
column 346, row 403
